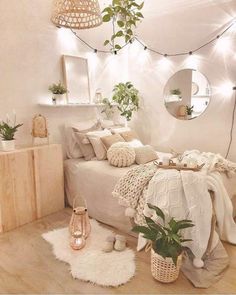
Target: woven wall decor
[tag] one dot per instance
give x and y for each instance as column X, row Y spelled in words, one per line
column 76, row 14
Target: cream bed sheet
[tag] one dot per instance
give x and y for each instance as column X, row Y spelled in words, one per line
column 95, row 181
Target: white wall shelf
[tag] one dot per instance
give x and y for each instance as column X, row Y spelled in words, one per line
column 71, row 105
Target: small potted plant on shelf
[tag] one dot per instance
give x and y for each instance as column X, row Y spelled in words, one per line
column 189, row 111
column 167, row 244
column 7, row 133
column 126, row 98
column 58, row 91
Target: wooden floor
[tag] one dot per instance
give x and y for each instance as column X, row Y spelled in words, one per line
column 27, row 265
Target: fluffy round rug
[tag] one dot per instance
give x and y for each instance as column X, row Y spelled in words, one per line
column 91, row 263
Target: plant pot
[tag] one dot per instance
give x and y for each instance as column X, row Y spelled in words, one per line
column 8, row 145
column 163, row 269
column 60, row 98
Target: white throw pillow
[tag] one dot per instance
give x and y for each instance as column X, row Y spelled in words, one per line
column 84, row 125
column 95, row 139
column 121, row 154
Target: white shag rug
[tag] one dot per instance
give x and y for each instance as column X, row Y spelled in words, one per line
column 91, row 263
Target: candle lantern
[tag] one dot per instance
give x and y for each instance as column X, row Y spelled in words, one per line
column 79, row 227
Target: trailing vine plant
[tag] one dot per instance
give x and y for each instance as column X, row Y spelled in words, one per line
column 124, row 16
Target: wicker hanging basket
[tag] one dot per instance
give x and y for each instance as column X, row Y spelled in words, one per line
column 164, row 270
column 76, row 14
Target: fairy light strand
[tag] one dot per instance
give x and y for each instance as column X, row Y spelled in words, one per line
column 146, row 47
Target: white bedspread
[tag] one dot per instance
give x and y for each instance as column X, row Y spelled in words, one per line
column 184, row 195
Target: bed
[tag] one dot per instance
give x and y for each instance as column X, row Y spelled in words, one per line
column 95, row 181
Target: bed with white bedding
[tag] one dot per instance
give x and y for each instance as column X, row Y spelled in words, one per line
column 95, row 181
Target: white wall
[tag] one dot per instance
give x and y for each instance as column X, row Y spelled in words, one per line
column 30, row 60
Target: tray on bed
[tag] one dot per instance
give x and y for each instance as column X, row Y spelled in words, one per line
column 196, row 169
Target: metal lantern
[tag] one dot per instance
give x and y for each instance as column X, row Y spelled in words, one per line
column 77, row 14
column 79, row 227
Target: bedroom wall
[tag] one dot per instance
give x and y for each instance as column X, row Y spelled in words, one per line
column 30, row 60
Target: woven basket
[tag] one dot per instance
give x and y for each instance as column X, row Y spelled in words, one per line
column 76, row 14
column 164, row 270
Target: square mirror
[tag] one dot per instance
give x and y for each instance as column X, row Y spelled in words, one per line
column 76, row 79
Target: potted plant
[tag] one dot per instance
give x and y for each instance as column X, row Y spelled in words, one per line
column 126, row 98
column 124, row 15
column 7, row 133
column 189, row 111
column 167, row 244
column 58, row 91
column 175, row 95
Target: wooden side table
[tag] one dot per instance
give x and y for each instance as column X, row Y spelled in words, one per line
column 31, row 184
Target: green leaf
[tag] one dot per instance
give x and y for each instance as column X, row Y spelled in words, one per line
column 106, row 42
column 120, row 23
column 117, row 46
column 139, row 14
column 106, row 18
column 119, row 34
column 158, row 211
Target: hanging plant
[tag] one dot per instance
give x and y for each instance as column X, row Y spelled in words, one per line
column 124, row 15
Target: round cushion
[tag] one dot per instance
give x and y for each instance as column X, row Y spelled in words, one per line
column 121, row 154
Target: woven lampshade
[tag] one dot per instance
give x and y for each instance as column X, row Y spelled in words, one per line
column 77, row 14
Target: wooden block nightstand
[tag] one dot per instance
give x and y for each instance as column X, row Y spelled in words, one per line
column 31, row 184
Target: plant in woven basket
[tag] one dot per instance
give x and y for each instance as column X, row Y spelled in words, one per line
column 124, row 15
column 57, row 88
column 127, row 98
column 167, row 240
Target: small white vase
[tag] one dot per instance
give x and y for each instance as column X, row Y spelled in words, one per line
column 60, row 98
column 8, row 145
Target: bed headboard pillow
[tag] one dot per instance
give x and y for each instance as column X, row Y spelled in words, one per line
column 95, row 139
column 72, row 148
column 85, row 146
column 145, row 154
column 121, row 154
column 109, row 140
column 115, row 130
column 80, row 129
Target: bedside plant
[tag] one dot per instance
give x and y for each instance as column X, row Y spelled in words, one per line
column 167, row 242
column 7, row 133
column 58, row 91
column 124, row 15
column 126, row 97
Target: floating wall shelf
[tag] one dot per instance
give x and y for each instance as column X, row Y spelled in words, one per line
column 71, row 105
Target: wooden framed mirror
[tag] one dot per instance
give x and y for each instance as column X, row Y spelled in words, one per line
column 76, row 79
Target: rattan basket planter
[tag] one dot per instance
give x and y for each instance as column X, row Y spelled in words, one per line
column 163, row 269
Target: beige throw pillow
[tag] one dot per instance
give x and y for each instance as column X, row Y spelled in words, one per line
column 129, row 135
column 95, row 139
column 80, row 129
column 111, row 139
column 86, row 149
column 145, row 154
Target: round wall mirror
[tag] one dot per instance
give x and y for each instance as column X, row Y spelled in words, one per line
column 187, row 94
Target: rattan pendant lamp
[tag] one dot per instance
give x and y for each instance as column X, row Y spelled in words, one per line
column 76, row 14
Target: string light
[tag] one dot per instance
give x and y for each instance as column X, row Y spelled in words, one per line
column 145, row 47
